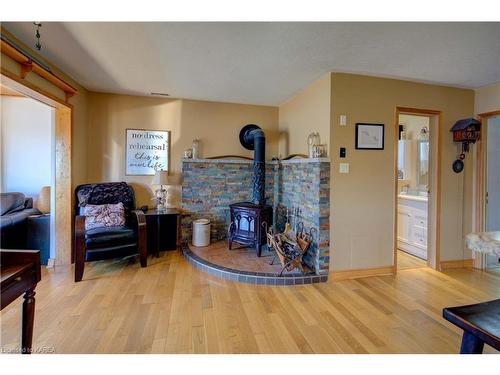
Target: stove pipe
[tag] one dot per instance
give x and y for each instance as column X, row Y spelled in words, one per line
column 252, row 137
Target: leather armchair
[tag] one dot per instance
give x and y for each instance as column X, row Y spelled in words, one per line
column 108, row 242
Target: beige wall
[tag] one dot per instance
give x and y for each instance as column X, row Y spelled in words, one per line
column 362, row 207
column 79, row 103
column 487, row 98
column 306, row 112
column 217, row 125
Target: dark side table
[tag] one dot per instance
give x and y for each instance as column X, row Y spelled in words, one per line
column 20, row 271
column 481, row 325
column 163, row 228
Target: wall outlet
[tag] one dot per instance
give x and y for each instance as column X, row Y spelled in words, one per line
column 344, row 167
column 343, row 120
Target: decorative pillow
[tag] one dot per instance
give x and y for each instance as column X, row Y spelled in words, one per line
column 43, row 201
column 104, row 215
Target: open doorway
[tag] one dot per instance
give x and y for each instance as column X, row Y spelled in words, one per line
column 61, row 207
column 27, row 174
column 416, row 189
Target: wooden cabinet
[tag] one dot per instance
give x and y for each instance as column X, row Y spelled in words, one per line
column 404, row 225
column 412, row 227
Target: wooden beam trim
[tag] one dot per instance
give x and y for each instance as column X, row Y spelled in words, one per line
column 29, row 89
column 27, row 65
column 489, row 114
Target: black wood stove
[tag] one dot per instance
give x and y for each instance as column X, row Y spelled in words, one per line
column 247, row 224
column 249, row 220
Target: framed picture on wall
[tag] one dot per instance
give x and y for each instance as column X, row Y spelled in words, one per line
column 146, row 151
column 369, row 136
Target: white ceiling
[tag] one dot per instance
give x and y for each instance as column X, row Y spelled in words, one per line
column 262, row 63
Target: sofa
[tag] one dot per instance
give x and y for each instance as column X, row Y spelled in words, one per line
column 22, row 226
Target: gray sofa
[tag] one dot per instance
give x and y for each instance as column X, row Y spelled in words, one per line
column 15, row 209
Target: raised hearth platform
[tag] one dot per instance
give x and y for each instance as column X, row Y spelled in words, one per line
column 241, row 264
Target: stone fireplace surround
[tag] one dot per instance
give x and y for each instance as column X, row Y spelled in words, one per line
column 210, row 185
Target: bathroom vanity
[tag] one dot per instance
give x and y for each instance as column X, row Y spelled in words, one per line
column 413, row 176
column 412, row 224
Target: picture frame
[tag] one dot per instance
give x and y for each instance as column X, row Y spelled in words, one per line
column 146, row 151
column 369, row 136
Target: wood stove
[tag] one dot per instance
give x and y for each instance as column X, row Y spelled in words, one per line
column 249, row 220
column 248, row 226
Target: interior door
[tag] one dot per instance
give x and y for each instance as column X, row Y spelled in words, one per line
column 493, row 175
column 493, row 181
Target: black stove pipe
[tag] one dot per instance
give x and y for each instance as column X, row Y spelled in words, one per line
column 258, row 139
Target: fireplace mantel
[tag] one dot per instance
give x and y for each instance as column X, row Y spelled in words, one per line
column 245, row 161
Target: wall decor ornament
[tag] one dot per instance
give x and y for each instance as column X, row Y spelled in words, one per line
column 147, row 151
column 464, row 131
column 369, row 136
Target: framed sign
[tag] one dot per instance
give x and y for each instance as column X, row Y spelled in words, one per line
column 146, row 151
column 369, row 136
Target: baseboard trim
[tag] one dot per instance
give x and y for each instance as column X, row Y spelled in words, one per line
column 359, row 273
column 453, row 264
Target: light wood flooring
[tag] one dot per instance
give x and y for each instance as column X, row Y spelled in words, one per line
column 408, row 261
column 171, row 307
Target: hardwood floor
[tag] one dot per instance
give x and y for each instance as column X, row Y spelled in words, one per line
column 408, row 261
column 170, row 307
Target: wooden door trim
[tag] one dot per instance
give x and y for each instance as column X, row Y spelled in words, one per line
column 481, row 171
column 437, row 220
column 63, row 126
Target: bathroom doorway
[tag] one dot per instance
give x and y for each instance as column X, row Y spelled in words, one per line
column 416, row 189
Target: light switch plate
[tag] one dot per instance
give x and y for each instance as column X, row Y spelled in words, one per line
column 344, row 167
column 343, row 120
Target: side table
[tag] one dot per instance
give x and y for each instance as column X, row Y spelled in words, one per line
column 20, row 271
column 163, row 228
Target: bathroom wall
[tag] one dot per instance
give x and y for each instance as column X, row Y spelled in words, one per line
column 412, row 126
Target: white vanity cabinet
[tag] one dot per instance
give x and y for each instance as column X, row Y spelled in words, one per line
column 412, row 225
